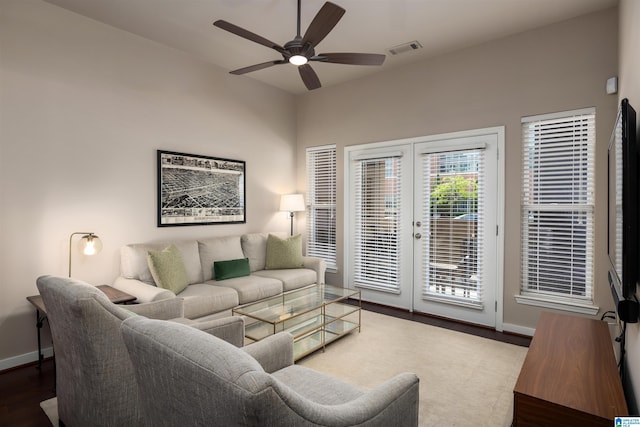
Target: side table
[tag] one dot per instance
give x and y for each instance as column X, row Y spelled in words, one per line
column 115, row 296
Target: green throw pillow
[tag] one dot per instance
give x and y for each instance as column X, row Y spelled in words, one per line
column 232, row 268
column 283, row 253
column 167, row 269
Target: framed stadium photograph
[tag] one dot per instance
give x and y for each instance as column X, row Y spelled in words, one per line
column 200, row 190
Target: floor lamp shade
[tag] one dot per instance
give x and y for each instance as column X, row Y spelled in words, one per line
column 89, row 244
column 292, row 203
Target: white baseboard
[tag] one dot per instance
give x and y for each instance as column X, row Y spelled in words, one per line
column 517, row 329
column 23, row 359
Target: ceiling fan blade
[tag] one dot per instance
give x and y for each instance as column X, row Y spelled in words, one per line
column 351, row 58
column 309, row 77
column 256, row 67
column 322, row 24
column 238, row 31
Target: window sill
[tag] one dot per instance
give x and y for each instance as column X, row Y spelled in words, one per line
column 557, row 304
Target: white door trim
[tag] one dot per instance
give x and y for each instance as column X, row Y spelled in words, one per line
column 499, row 131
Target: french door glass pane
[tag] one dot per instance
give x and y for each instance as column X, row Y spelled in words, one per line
column 453, row 204
column 377, row 262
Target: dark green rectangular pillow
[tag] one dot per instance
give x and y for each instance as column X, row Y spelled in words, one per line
column 232, row 268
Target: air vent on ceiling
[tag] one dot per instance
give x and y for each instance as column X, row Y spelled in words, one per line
column 405, row 47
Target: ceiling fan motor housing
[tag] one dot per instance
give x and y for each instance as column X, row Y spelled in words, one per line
column 295, row 47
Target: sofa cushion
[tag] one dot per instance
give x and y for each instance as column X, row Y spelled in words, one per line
column 232, row 268
column 254, row 246
column 167, row 269
column 133, row 260
column 251, row 288
column 218, row 249
column 201, row 299
column 291, row 278
column 283, row 253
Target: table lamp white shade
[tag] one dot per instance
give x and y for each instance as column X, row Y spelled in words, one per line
column 292, row 203
column 89, row 244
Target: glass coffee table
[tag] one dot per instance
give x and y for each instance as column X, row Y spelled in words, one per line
column 315, row 315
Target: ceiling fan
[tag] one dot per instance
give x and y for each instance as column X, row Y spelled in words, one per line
column 300, row 50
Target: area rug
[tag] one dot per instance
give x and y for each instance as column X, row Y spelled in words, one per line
column 465, row 380
column 50, row 407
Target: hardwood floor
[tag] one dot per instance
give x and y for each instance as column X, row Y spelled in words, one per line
column 23, row 388
column 21, row 391
column 480, row 331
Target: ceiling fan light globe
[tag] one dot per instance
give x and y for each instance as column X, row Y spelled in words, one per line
column 298, row 60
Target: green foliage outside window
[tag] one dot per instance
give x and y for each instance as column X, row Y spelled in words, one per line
column 454, row 195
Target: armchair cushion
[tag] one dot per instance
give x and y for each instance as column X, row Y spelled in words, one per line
column 284, row 253
column 167, row 269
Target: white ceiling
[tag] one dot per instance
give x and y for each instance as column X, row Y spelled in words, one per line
column 370, row 26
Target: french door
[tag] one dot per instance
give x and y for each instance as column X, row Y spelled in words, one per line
column 424, row 218
column 380, row 247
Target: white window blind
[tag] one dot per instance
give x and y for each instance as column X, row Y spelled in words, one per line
column 454, row 205
column 558, row 204
column 377, row 239
column 321, row 204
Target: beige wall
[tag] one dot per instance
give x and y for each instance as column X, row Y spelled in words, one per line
column 83, row 107
column 560, row 67
column 629, row 87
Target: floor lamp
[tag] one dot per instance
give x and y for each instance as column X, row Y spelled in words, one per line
column 89, row 244
column 292, row 203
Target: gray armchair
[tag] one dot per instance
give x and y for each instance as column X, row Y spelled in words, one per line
column 205, row 381
column 95, row 383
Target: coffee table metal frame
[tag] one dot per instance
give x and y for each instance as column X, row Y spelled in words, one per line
column 315, row 315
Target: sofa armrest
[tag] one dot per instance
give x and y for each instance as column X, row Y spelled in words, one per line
column 230, row 329
column 142, row 291
column 317, row 264
column 163, row 310
column 274, row 352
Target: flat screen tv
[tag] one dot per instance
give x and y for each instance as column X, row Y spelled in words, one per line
column 623, row 207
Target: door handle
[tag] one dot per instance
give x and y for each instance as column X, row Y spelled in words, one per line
column 418, row 236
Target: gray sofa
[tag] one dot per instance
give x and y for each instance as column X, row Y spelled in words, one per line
column 206, row 297
column 206, row 381
column 95, row 383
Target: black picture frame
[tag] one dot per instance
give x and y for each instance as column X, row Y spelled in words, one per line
column 200, row 190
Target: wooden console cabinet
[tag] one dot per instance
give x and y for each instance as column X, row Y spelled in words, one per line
column 569, row 376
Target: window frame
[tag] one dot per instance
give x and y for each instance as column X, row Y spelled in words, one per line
column 314, row 205
column 541, row 197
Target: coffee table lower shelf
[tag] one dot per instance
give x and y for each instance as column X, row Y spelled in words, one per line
column 309, row 343
column 315, row 316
